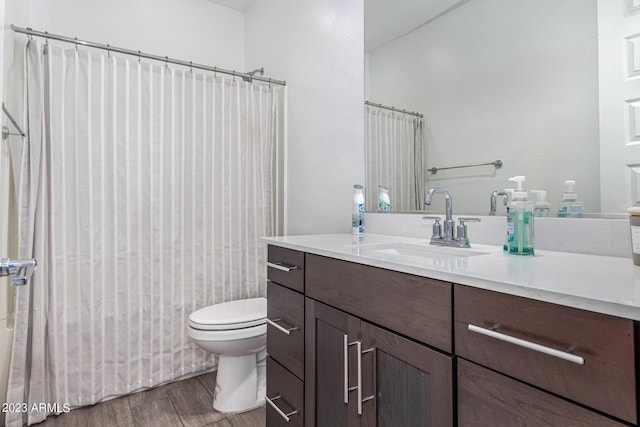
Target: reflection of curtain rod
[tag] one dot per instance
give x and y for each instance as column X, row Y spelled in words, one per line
column 5, row 130
column 411, row 113
column 247, row 76
column 497, row 164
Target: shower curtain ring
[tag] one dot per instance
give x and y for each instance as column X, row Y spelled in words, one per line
column 108, row 51
column 139, row 53
column 191, row 67
column 166, row 62
column 46, row 37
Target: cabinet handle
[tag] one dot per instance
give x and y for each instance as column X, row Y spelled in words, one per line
column 527, row 344
column 359, row 352
column 345, row 347
column 281, row 266
column 278, row 410
column 281, row 328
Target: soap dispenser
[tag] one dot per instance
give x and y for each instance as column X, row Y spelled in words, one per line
column 570, row 207
column 541, row 207
column 384, row 201
column 520, row 239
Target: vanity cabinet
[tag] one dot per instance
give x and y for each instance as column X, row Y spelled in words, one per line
column 585, row 357
column 361, row 374
column 285, row 337
column 355, row 345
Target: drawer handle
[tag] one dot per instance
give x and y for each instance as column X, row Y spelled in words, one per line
column 281, row 266
column 527, row 344
column 281, row 328
column 278, row 410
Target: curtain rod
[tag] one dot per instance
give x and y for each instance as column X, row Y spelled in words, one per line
column 411, row 113
column 246, row 76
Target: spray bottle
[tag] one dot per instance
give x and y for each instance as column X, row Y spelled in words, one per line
column 357, row 212
column 520, row 239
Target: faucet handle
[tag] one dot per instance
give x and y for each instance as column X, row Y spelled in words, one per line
column 437, row 228
column 462, row 230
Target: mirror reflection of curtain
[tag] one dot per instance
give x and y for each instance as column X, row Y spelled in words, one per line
column 394, row 150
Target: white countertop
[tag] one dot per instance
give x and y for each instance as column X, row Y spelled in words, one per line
column 609, row 285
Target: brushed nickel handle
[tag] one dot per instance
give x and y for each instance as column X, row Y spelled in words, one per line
column 282, row 329
column 528, row 344
column 360, row 399
column 282, row 266
column 278, row 410
column 359, row 351
column 345, row 347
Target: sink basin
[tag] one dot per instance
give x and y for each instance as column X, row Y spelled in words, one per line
column 413, row 251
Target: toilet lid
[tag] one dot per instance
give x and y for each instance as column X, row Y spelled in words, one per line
column 230, row 315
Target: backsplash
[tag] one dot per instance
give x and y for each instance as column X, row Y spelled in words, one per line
column 593, row 236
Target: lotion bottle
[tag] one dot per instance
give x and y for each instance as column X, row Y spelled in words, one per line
column 357, row 212
column 520, row 239
column 570, row 207
column 384, row 202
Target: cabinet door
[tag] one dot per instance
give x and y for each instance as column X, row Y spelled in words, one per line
column 405, row 383
column 486, row 398
column 328, row 370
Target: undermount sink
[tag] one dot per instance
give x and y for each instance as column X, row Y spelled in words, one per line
column 414, row 251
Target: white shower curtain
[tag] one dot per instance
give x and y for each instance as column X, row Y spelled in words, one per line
column 394, row 154
column 144, row 191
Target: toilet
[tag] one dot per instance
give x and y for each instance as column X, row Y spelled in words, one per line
column 237, row 332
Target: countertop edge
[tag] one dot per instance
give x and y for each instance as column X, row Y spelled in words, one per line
column 565, row 299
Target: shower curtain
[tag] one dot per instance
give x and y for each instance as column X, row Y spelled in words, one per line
column 394, row 154
column 144, row 190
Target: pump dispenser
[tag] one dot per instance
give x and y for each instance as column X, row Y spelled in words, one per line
column 520, row 239
column 541, row 207
column 570, row 206
column 357, row 211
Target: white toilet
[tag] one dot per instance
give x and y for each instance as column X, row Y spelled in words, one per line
column 237, row 332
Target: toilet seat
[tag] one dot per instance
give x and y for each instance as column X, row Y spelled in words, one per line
column 239, row 314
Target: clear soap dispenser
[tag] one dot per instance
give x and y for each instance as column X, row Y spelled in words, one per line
column 520, row 239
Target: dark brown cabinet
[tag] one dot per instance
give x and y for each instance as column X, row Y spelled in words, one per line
column 361, row 374
column 285, row 338
column 355, row 345
column 486, row 398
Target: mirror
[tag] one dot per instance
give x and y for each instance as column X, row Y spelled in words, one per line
column 509, row 80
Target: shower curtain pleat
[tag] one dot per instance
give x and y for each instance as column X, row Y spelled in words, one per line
column 394, row 157
column 144, row 190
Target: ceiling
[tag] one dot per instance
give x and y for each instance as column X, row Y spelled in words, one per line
column 384, row 20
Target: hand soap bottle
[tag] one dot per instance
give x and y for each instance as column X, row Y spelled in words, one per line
column 570, row 207
column 519, row 240
column 541, row 207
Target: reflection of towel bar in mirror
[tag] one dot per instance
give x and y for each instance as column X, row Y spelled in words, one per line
column 497, row 164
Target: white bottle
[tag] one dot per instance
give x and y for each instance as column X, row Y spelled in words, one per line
column 542, row 207
column 384, row 202
column 570, row 207
column 357, row 212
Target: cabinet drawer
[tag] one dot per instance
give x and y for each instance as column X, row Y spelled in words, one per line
column 286, row 267
column 414, row 306
column 535, row 339
column 486, row 398
column 286, row 392
column 285, row 329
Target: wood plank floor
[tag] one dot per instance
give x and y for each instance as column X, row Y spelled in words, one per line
column 186, row 403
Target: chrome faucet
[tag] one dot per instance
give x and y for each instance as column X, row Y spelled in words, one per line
column 19, row 270
column 493, row 200
column 447, row 237
column 449, row 224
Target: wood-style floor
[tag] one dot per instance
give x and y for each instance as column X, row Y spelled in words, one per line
column 186, row 403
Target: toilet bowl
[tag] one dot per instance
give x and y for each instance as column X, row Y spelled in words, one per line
column 237, row 332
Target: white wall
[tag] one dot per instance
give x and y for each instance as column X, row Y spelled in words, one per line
column 502, row 79
column 317, row 47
